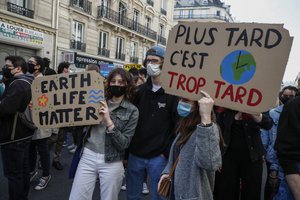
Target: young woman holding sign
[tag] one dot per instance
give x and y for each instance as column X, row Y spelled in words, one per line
column 195, row 150
column 105, row 143
column 242, row 157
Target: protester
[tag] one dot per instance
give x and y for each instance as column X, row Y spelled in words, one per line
column 39, row 140
column 151, row 143
column 287, row 144
column 197, row 149
column 275, row 174
column 58, row 139
column 15, row 137
column 47, row 70
column 105, row 144
column 242, row 158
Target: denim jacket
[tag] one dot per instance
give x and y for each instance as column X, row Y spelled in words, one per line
column 269, row 137
column 125, row 119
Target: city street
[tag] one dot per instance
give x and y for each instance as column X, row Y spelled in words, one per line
column 59, row 187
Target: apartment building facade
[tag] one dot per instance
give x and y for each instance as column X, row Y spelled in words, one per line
column 27, row 27
column 111, row 33
column 201, row 10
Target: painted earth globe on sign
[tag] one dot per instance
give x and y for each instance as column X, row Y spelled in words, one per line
column 238, row 67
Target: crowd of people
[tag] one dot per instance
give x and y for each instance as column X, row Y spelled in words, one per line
column 147, row 134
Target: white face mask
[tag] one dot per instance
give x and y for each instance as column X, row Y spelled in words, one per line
column 153, row 69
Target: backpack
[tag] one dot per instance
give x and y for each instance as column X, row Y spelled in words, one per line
column 25, row 117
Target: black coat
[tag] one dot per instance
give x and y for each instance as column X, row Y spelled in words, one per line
column 15, row 99
column 251, row 132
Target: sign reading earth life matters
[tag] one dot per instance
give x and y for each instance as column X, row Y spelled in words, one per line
column 64, row 100
column 241, row 65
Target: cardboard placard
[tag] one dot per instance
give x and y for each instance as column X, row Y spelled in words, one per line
column 241, row 65
column 64, row 100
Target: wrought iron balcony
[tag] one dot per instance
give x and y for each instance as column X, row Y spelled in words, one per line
column 120, row 56
column 134, row 59
column 20, row 10
column 115, row 17
column 163, row 11
column 103, row 52
column 162, row 40
column 150, row 2
column 82, row 5
column 77, row 45
column 201, row 16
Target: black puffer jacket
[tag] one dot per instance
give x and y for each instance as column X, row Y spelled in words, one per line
column 15, row 99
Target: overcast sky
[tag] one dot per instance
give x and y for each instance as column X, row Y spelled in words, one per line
column 285, row 12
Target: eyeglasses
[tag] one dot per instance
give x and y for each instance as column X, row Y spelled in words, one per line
column 154, row 61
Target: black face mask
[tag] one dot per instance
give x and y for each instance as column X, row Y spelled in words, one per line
column 116, row 90
column 285, row 99
column 7, row 72
column 31, row 68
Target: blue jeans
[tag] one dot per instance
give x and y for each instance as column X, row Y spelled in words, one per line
column 135, row 175
column 15, row 158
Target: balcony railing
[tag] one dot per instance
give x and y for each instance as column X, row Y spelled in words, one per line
column 20, row 10
column 77, row 45
column 162, row 40
column 113, row 16
column 150, row 2
column 103, row 52
column 82, row 5
column 134, row 59
column 163, row 11
column 120, row 56
column 201, row 16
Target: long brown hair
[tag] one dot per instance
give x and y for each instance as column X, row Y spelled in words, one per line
column 130, row 87
column 186, row 126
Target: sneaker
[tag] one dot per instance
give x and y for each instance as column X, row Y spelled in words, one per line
column 71, row 146
column 65, row 144
column 43, row 183
column 57, row 165
column 145, row 189
column 33, row 174
column 73, row 150
column 123, row 187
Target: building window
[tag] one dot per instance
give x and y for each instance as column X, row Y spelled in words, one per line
column 148, row 24
column 218, row 13
column 122, row 13
column 161, row 30
column 78, row 3
column 133, row 53
column 22, row 3
column 77, row 36
column 135, row 19
column 163, row 4
column 104, row 3
column 163, row 7
column 120, row 49
column 103, row 49
column 103, row 40
column 77, row 32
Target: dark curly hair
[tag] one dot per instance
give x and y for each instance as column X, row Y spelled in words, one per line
column 130, row 86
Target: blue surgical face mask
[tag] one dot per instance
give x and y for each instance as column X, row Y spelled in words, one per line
column 184, row 109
